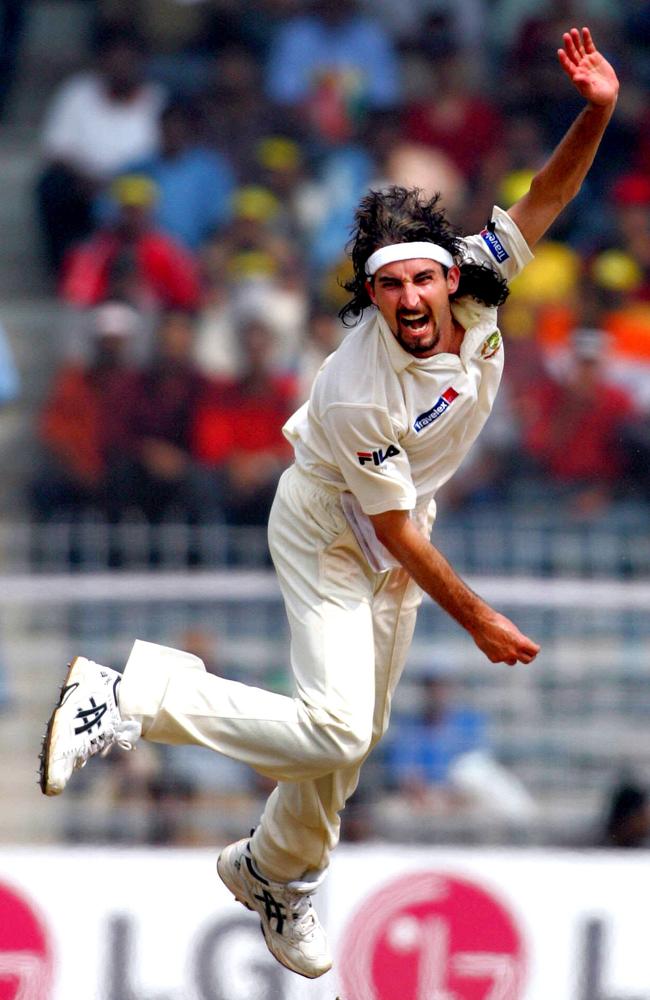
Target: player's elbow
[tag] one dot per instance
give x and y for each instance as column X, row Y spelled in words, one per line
column 389, row 527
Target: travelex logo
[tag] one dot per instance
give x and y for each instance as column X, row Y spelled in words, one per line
column 378, row 456
column 445, row 401
column 495, row 246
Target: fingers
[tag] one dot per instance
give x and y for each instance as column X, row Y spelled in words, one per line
column 577, row 44
column 527, row 657
column 525, row 652
column 522, row 655
column 588, row 41
column 572, row 45
column 566, row 63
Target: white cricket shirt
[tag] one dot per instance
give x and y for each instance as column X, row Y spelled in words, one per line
column 391, row 428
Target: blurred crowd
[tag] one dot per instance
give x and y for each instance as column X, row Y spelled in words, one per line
column 197, row 189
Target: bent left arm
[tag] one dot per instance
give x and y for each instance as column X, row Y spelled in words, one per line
column 560, row 179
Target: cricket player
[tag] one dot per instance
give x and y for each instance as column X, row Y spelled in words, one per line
column 391, row 415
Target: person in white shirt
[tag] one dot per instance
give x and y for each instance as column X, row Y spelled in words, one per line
column 391, row 415
column 98, row 122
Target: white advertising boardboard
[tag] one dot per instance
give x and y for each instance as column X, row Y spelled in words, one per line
column 404, row 923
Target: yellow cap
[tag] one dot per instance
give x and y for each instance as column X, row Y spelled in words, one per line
column 616, row 271
column 252, row 264
column 278, row 153
column 255, row 203
column 134, row 189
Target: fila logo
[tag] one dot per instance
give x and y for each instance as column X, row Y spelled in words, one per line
column 377, row 457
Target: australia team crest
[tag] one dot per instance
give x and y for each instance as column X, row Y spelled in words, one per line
column 491, row 345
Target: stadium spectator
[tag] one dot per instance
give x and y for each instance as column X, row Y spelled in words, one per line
column 238, row 431
column 508, row 18
column 439, row 758
column 572, row 428
column 85, row 426
column 235, row 112
column 131, row 259
column 339, row 179
column 215, row 346
column 627, row 820
column 253, row 242
column 280, row 300
column 423, row 747
column 280, row 167
column 451, row 117
column 329, row 65
column 324, row 334
column 162, row 484
column 194, row 185
column 436, row 25
column 97, row 123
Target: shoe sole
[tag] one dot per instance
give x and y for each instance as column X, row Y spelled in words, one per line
column 239, row 896
column 50, row 736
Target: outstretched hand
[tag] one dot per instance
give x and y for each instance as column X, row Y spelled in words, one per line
column 589, row 72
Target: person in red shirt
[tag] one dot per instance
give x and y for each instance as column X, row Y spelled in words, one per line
column 170, row 388
column 85, row 425
column 150, row 269
column 572, row 429
column 464, row 125
column 238, row 431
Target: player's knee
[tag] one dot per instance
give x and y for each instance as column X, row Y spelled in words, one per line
column 347, row 744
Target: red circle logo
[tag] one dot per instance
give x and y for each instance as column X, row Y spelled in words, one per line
column 25, row 955
column 429, row 936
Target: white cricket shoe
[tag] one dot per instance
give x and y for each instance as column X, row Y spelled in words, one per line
column 86, row 721
column 290, row 926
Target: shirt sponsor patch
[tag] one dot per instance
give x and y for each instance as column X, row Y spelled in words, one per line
column 445, row 401
column 495, row 246
column 378, row 456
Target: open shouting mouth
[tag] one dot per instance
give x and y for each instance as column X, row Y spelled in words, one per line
column 417, row 332
column 417, row 323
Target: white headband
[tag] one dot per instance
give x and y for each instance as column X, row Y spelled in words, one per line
column 407, row 251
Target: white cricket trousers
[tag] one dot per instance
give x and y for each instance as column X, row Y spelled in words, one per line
column 351, row 629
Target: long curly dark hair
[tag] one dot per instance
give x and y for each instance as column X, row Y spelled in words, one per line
column 404, row 215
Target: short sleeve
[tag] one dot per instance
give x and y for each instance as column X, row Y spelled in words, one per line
column 373, row 464
column 500, row 244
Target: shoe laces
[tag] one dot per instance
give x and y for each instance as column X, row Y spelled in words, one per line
column 303, row 918
column 125, row 736
column 298, row 899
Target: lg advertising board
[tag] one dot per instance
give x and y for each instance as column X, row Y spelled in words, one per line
column 405, row 924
